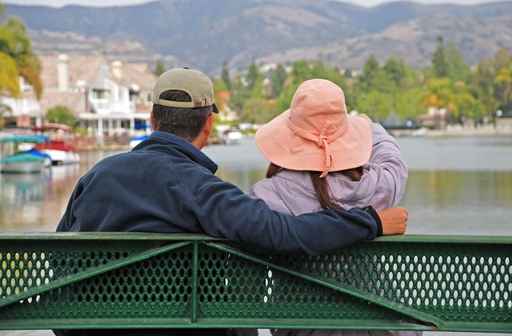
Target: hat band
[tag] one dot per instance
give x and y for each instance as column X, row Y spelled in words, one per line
column 322, row 140
column 171, row 103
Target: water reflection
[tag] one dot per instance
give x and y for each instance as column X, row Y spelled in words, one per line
column 462, row 201
column 35, row 202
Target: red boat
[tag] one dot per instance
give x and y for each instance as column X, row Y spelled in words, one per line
column 58, row 147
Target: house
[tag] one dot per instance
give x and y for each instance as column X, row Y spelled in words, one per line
column 436, row 118
column 24, row 111
column 107, row 97
column 504, row 121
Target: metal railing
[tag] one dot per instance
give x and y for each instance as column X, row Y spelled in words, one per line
column 117, row 281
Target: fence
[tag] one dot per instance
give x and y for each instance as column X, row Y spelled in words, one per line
column 116, row 281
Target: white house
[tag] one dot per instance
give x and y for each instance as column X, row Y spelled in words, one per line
column 108, row 98
column 24, row 111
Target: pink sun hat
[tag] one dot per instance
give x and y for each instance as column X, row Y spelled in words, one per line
column 316, row 133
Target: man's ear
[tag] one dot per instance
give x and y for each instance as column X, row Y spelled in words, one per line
column 152, row 122
column 209, row 123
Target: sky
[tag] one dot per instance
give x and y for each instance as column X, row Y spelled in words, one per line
column 125, row 2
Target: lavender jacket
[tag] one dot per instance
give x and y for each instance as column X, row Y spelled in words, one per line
column 381, row 186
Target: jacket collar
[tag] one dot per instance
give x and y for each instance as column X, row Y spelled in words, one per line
column 181, row 145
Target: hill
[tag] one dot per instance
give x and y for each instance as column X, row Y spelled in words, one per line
column 206, row 33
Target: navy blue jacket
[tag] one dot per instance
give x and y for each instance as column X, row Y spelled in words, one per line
column 167, row 185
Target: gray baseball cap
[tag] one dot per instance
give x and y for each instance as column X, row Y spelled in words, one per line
column 198, row 86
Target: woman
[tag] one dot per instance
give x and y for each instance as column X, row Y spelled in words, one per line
column 323, row 158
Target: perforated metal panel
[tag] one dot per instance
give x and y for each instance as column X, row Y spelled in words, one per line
column 155, row 281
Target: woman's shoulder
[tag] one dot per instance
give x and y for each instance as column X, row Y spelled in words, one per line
column 283, row 190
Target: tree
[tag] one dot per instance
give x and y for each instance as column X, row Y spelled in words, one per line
column 9, row 84
column 458, row 70
column 253, row 75
column 278, row 79
column 159, row 68
column 447, row 61
column 225, row 75
column 376, row 105
column 259, row 111
column 61, row 115
column 483, row 85
column 504, row 87
column 502, row 59
column 370, row 72
column 395, row 70
column 408, row 103
column 439, row 61
column 222, row 94
column 15, row 43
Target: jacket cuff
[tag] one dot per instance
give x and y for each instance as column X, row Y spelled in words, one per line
column 375, row 216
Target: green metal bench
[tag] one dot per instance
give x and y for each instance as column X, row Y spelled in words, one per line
column 116, row 281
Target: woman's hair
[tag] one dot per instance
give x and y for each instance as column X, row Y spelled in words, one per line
column 320, row 184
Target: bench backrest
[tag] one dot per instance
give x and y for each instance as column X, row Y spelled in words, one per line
column 58, row 281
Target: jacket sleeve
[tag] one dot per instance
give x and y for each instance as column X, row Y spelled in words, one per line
column 225, row 211
column 386, row 163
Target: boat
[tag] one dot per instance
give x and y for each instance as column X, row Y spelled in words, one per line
column 24, row 162
column 58, row 147
column 233, row 137
column 60, row 152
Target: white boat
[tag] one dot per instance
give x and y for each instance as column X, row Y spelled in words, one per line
column 233, row 137
column 59, row 148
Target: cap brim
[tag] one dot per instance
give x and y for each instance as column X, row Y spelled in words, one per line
column 215, row 109
column 284, row 148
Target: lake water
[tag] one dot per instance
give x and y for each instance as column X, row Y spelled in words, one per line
column 456, row 185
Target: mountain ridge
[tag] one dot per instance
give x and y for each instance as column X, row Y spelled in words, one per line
column 205, row 34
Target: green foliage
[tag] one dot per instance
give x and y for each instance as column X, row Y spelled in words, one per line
column 393, row 89
column 371, row 70
column 377, row 105
column 159, row 68
column 16, row 44
column 278, row 79
column 61, row 115
column 447, row 61
column 253, row 76
column 9, row 84
column 439, row 59
column 225, row 76
column 259, row 111
column 302, row 71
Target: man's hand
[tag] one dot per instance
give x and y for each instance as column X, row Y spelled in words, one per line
column 394, row 221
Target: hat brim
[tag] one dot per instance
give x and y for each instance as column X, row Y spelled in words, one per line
column 215, row 109
column 281, row 146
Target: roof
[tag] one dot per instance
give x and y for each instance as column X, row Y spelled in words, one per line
column 87, row 68
column 75, row 101
column 90, row 71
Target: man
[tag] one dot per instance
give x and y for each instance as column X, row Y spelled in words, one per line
column 167, row 185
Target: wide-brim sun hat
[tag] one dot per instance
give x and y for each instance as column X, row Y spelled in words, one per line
column 316, row 133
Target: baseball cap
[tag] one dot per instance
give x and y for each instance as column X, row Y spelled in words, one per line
column 195, row 83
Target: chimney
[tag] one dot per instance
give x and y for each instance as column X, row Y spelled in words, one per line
column 63, row 73
column 117, row 69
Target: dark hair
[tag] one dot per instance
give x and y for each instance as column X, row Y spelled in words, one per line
column 184, row 122
column 320, row 184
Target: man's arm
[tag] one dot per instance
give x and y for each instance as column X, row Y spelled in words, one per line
column 225, row 211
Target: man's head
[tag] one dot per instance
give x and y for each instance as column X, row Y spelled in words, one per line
column 183, row 105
